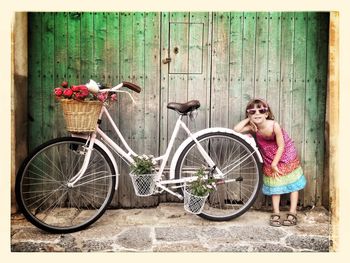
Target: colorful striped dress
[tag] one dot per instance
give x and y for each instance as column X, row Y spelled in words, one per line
column 292, row 178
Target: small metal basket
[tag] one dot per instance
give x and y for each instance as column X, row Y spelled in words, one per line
column 192, row 203
column 144, row 184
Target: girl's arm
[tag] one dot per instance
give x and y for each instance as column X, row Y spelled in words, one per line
column 243, row 126
column 280, row 144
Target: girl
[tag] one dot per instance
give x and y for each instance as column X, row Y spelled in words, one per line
column 282, row 171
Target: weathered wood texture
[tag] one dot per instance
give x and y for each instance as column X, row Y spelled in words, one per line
column 221, row 59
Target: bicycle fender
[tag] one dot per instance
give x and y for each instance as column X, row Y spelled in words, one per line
column 108, row 152
column 248, row 139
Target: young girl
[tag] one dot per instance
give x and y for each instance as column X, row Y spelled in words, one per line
column 282, row 171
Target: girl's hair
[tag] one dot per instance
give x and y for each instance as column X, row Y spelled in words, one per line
column 260, row 103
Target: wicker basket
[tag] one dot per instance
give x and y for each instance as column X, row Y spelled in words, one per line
column 81, row 116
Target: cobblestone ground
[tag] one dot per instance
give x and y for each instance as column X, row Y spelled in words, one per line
column 168, row 228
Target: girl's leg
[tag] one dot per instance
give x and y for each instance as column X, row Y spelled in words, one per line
column 276, row 203
column 293, row 202
column 291, row 219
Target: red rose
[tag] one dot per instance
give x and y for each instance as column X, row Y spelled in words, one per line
column 58, row 92
column 84, row 90
column 78, row 96
column 64, row 84
column 67, row 93
column 75, row 88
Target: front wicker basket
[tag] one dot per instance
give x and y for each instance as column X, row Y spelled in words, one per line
column 81, row 116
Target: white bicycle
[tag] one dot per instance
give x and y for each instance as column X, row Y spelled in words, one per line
column 67, row 183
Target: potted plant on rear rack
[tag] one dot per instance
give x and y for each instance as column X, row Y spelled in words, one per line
column 143, row 175
column 197, row 191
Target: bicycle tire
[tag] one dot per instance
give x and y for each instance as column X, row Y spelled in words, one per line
column 230, row 199
column 41, row 186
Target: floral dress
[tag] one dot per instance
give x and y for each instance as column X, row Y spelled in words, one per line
column 292, row 178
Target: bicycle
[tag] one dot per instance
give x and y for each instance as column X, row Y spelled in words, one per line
column 67, row 183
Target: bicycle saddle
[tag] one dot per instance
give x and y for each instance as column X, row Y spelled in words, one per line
column 184, row 108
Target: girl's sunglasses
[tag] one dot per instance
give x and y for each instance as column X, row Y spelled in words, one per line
column 253, row 111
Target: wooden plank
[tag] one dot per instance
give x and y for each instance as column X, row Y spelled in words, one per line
column 299, row 79
column 199, row 68
column 99, row 44
column 112, row 79
column 261, row 54
column 178, row 82
column 34, row 82
column 60, row 67
column 86, row 46
column 151, row 90
column 151, row 85
column 311, row 113
column 164, row 80
column 112, row 49
column 236, row 108
column 164, row 90
column 47, row 78
column 322, row 54
column 220, row 74
column 179, row 44
column 274, row 63
column 73, row 51
column 248, row 70
column 298, row 88
column 125, row 123
column 195, row 45
column 286, row 86
column 140, row 126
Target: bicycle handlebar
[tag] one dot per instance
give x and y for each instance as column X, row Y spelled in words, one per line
column 131, row 86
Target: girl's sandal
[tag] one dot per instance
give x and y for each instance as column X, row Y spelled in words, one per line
column 291, row 220
column 275, row 220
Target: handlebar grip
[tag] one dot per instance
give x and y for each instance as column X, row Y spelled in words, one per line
column 132, row 86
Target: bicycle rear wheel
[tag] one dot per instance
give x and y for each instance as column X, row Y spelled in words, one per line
column 42, row 190
column 238, row 190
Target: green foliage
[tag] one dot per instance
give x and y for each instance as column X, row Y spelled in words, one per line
column 201, row 186
column 143, row 165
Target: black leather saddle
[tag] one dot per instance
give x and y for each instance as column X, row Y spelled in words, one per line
column 184, row 108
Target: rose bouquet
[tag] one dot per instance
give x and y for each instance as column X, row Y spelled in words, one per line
column 87, row 92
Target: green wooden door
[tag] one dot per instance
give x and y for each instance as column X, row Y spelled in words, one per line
column 221, row 59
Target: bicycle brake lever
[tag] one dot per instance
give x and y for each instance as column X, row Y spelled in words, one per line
column 124, row 91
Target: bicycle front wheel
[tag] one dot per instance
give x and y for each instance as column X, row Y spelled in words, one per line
column 42, row 190
column 237, row 191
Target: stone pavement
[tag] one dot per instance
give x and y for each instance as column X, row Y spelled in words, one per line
column 168, row 228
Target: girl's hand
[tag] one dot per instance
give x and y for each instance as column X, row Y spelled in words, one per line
column 276, row 171
column 253, row 125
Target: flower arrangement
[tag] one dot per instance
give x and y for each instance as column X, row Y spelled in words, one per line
column 201, row 186
column 87, row 92
column 143, row 165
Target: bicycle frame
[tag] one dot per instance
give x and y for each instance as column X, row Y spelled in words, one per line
column 129, row 153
